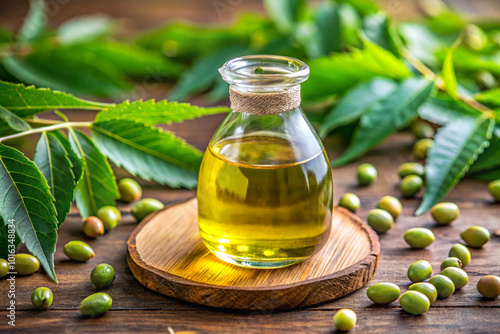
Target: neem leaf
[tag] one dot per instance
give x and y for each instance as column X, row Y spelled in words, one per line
column 149, row 152
column 84, row 28
column 489, row 175
column 466, row 60
column 5, row 241
column 489, row 159
column 53, row 162
column 285, row 13
column 339, row 72
column 97, row 186
column 28, row 100
column 356, row 102
column 151, row 112
column 443, row 111
column 456, row 147
column 389, row 114
column 26, row 198
column 12, row 120
column 491, row 96
column 76, row 162
column 34, row 24
column 448, row 73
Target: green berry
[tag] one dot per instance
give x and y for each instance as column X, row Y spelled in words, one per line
column 344, row 319
column 26, row 264
column 422, row 129
column 444, row 213
column 419, row 271
column 494, row 188
column 421, row 148
column 78, row 251
column 419, row 237
column 475, row 236
column 130, row 190
column 4, row 268
column 444, row 285
column 96, row 305
column 451, row 262
column 367, row 174
column 458, row 276
column 93, row 227
column 414, row 302
column 485, row 80
column 110, row 217
column 380, row 220
column 474, row 37
column 427, row 289
column 42, row 298
column 350, row 201
column 461, row 252
column 103, row 275
column 411, row 168
column 410, row 185
column 145, row 207
column 489, row 286
column 392, row 205
column 383, row 293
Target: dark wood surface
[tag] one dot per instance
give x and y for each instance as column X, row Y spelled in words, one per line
column 139, row 310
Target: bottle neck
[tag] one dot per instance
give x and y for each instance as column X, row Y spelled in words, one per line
column 264, row 102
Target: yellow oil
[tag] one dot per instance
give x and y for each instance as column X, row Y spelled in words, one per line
column 264, row 203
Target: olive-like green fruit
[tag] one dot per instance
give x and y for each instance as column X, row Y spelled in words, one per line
column 130, row 190
column 392, row 205
column 421, row 148
column 350, row 201
column 78, row 251
column 414, row 302
column 475, row 236
column 410, row 186
column 103, row 275
column 444, row 213
column 93, row 227
column 494, row 188
column 444, row 285
column 451, row 262
column 474, row 37
column 96, row 305
column 383, row 293
column 489, row 286
column 485, row 80
column 458, row 276
column 461, row 252
column 26, row 264
column 367, row 174
column 344, row 319
column 4, row 268
column 419, row 271
column 419, row 237
column 110, row 217
column 411, row 168
column 380, row 220
column 145, row 207
column 422, row 129
column 427, row 289
column 42, row 298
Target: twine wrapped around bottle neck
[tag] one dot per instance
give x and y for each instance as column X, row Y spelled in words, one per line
column 265, row 103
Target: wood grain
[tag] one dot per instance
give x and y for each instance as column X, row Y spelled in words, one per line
column 166, row 254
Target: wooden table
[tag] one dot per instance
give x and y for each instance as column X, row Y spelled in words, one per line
column 138, row 310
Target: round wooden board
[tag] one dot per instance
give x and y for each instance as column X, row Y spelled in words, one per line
column 166, row 254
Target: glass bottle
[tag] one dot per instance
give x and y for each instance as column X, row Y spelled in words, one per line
column 265, row 187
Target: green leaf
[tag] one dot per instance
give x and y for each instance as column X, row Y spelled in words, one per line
column 13, row 121
column 356, row 102
column 448, row 73
column 203, row 73
column 443, row 111
column 456, row 147
column 328, row 28
column 97, row 186
column 338, row 73
column 26, row 198
column 491, row 96
column 84, row 28
column 83, row 72
column 446, row 23
column 465, row 60
column 5, row 242
column 6, row 36
column 34, row 25
column 151, row 153
column 489, row 159
column 421, row 42
column 489, row 175
column 26, row 101
column 376, row 30
column 76, row 162
column 388, row 115
column 151, row 112
column 53, row 162
column 364, row 7
column 350, row 24
column 285, row 13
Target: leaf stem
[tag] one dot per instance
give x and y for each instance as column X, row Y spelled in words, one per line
column 65, row 125
column 429, row 74
column 42, row 121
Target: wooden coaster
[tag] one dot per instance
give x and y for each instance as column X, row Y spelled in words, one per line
column 167, row 255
